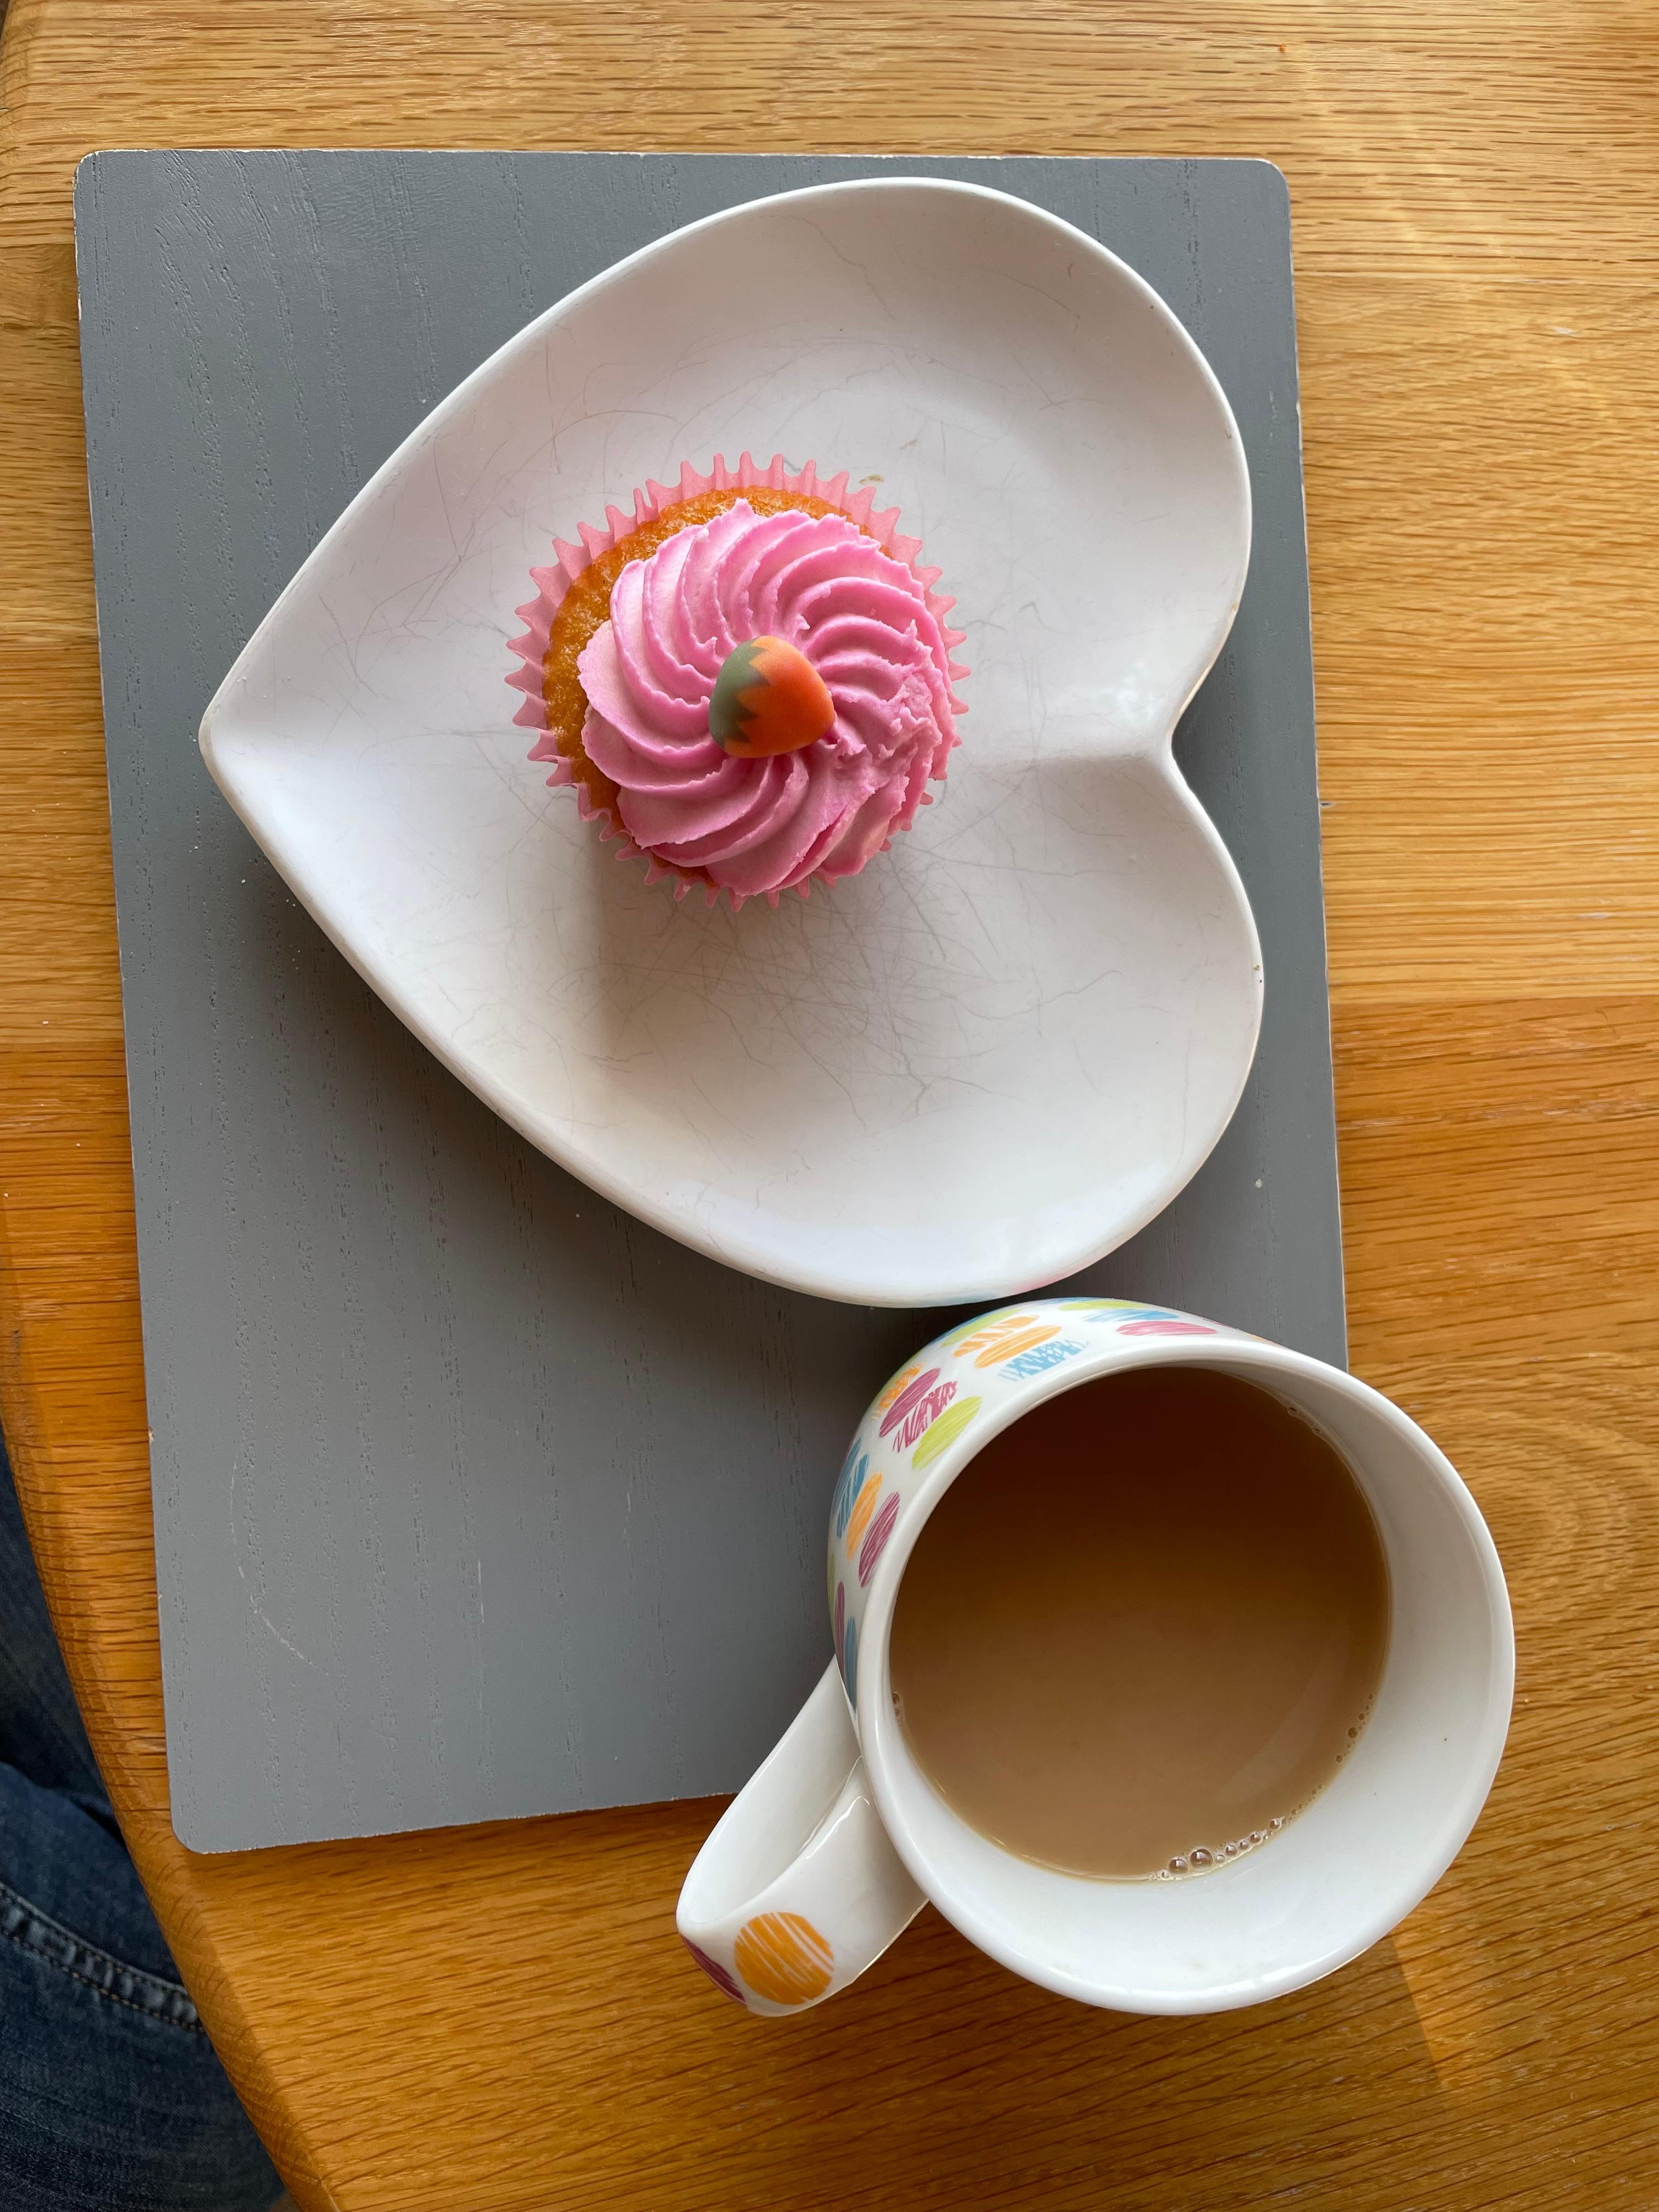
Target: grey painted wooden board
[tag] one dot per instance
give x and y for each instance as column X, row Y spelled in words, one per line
column 474, row 1497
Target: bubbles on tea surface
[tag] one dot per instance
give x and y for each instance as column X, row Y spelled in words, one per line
column 1204, row 1858
column 1201, row 1859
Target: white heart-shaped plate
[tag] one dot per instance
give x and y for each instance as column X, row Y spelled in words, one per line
column 1010, row 1042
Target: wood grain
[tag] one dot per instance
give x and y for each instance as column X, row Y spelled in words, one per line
column 497, row 2017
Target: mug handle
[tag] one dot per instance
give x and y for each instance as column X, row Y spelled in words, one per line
column 798, row 1889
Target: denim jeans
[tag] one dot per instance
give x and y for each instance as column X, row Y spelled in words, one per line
column 110, row 2098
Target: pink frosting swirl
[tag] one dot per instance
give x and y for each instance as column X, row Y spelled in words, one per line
column 861, row 617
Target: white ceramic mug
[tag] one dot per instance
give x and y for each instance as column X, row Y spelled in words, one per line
column 833, row 1847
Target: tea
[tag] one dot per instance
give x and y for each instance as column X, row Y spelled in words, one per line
column 1143, row 1627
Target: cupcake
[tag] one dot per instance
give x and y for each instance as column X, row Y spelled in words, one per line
column 747, row 682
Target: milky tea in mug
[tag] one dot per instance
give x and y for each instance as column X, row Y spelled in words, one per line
column 1172, row 1666
column 1155, row 1672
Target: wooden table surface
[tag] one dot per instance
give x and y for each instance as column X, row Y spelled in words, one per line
column 500, row 2016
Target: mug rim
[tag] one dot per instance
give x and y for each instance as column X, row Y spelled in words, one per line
column 876, row 1728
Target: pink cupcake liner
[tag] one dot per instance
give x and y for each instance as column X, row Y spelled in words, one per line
column 553, row 582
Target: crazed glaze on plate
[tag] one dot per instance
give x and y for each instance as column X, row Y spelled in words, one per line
column 968, row 1070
